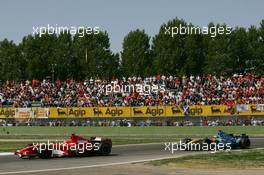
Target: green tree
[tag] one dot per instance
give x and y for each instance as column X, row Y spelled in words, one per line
column 218, row 59
column 259, row 49
column 239, row 50
column 38, row 53
column 63, row 57
column 195, row 52
column 10, row 61
column 136, row 60
column 93, row 57
column 168, row 50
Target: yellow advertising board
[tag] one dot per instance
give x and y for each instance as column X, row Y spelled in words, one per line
column 138, row 111
column 214, row 110
column 148, row 111
column 111, row 112
column 90, row 112
column 70, row 112
column 219, row 110
column 207, row 111
column 174, row 111
column 7, row 112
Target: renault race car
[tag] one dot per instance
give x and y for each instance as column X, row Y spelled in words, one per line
column 221, row 141
column 75, row 146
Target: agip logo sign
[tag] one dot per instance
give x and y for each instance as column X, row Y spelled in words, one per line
column 69, row 112
column 152, row 111
column 7, row 112
column 111, row 112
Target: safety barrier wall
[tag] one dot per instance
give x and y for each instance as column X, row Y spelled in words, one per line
column 142, row 111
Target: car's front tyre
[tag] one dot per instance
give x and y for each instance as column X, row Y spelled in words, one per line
column 45, row 154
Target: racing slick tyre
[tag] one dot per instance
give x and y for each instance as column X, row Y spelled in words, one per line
column 46, row 154
column 105, row 149
column 244, row 141
column 186, row 140
column 207, row 141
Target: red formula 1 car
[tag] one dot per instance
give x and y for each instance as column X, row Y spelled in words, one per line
column 75, row 146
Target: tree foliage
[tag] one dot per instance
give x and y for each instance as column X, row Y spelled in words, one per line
column 136, row 54
column 63, row 56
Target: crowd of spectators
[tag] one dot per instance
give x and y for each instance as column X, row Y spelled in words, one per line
column 161, row 90
column 232, row 122
column 138, row 122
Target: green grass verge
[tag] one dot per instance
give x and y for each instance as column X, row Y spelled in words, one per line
column 127, row 131
column 119, row 135
column 12, row 146
column 232, row 159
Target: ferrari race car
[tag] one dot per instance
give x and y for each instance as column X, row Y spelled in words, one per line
column 75, row 146
column 221, row 141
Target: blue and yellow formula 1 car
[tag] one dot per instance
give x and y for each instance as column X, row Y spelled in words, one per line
column 221, row 141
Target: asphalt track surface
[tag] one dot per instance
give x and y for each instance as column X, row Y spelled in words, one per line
column 125, row 154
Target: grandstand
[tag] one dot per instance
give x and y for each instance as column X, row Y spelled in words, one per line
column 191, row 90
column 183, row 101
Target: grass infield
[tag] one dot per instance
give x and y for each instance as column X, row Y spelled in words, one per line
column 12, row 138
column 233, row 159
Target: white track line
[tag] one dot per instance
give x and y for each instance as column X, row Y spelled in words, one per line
column 98, row 165
column 6, row 154
column 88, row 166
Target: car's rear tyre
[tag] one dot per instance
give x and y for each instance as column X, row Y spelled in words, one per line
column 208, row 144
column 207, row 141
column 45, row 154
column 244, row 142
column 186, row 140
column 105, row 149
